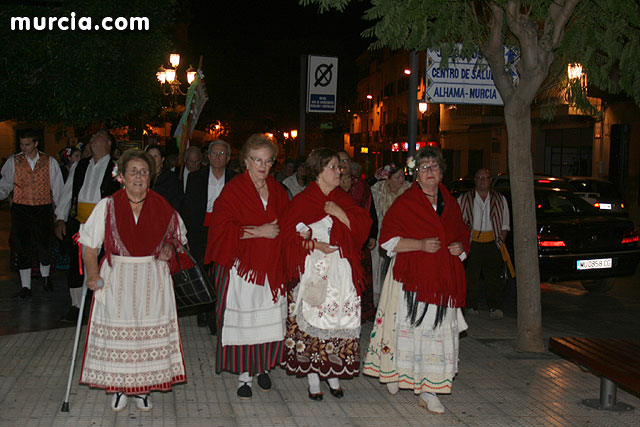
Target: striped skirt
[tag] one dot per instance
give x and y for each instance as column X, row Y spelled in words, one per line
column 252, row 358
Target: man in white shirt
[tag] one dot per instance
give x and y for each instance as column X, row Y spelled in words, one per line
column 485, row 211
column 36, row 181
column 295, row 183
column 89, row 181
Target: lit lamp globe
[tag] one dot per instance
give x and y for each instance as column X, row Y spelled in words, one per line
column 174, row 59
column 161, row 75
column 171, row 75
column 191, row 74
column 294, row 133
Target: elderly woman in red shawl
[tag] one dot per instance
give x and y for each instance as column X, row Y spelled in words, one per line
column 133, row 342
column 323, row 233
column 414, row 341
column 243, row 244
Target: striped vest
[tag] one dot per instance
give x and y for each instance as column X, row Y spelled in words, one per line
column 31, row 187
column 496, row 213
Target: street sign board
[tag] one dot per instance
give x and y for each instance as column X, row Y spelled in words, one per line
column 465, row 81
column 322, row 84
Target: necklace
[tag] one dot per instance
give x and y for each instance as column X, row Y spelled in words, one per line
column 262, row 186
column 136, row 203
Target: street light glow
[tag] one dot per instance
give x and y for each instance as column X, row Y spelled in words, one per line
column 191, row 74
column 286, row 135
column 574, row 71
column 422, row 106
column 407, row 71
column 294, row 133
column 174, row 59
column 171, row 74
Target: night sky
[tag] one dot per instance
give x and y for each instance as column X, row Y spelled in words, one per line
column 252, row 54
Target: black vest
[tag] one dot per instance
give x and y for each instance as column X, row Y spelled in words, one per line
column 108, row 186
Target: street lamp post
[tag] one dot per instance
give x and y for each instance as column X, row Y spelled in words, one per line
column 171, row 84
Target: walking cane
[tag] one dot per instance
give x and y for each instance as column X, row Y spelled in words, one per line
column 65, row 403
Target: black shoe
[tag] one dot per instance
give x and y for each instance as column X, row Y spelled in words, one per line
column 47, row 284
column 336, row 392
column 244, row 391
column 264, row 382
column 24, row 293
column 71, row 315
column 202, row 319
column 315, row 396
column 211, row 320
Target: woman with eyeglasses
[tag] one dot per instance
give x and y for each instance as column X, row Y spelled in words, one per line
column 133, row 341
column 323, row 233
column 414, row 341
column 243, row 244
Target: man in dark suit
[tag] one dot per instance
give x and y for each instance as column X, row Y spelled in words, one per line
column 89, row 180
column 203, row 188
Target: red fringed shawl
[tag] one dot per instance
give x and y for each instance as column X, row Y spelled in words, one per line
column 308, row 207
column 437, row 278
column 239, row 205
column 157, row 224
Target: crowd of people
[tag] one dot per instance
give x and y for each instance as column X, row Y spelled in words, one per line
column 299, row 260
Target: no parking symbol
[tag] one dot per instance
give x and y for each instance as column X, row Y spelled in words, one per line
column 322, row 84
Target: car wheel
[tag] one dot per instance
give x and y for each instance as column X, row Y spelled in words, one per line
column 599, row 285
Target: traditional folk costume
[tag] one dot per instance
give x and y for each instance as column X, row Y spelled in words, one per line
column 383, row 198
column 324, row 339
column 361, row 193
column 35, row 183
column 88, row 182
column 486, row 253
column 133, row 340
column 414, row 340
column 251, row 306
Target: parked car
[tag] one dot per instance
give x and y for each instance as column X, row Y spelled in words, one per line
column 461, row 185
column 577, row 242
column 502, row 181
column 599, row 193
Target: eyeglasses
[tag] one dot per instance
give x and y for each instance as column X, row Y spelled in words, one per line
column 262, row 162
column 218, row 153
column 134, row 172
column 433, row 167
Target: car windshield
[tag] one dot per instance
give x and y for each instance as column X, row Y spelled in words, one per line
column 561, row 203
column 603, row 188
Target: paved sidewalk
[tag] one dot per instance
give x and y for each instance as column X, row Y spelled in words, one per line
column 495, row 386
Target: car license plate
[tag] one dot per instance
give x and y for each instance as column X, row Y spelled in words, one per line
column 605, row 206
column 591, row 264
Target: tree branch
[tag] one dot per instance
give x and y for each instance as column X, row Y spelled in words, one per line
column 493, row 50
column 557, row 18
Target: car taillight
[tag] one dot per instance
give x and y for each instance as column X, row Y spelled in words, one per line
column 550, row 243
column 596, row 205
column 630, row 237
column 621, row 205
column 544, row 181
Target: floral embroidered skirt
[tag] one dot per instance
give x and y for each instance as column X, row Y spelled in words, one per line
column 133, row 341
column 328, row 357
column 421, row 358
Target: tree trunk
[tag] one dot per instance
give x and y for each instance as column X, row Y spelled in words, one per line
column 518, row 120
